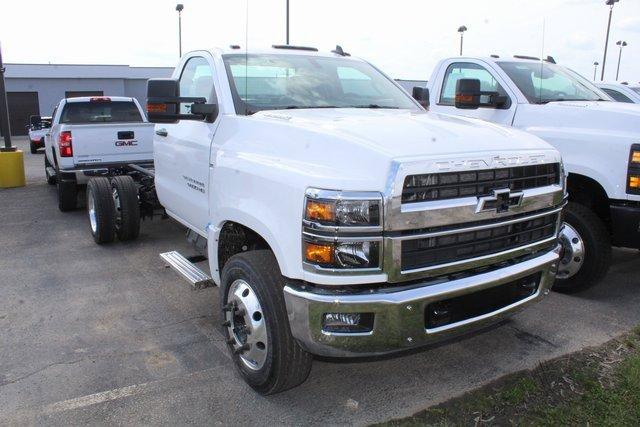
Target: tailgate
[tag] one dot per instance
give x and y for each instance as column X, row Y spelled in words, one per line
column 111, row 143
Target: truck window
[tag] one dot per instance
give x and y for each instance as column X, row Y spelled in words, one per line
column 618, row 96
column 273, row 82
column 540, row 82
column 196, row 80
column 100, row 112
column 467, row 70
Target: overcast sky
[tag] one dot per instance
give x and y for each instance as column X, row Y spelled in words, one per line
column 405, row 38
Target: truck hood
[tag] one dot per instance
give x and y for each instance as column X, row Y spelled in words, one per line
column 404, row 134
column 595, row 115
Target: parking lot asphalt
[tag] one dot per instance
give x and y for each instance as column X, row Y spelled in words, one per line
column 107, row 334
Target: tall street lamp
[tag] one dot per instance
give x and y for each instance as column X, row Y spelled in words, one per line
column 4, row 112
column 622, row 44
column 179, row 8
column 609, row 3
column 595, row 70
column 287, row 21
column 461, row 30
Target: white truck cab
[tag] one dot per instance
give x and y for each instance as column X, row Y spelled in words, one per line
column 90, row 135
column 599, row 141
column 340, row 218
column 621, row 92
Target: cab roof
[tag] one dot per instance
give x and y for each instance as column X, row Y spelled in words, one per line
column 98, row 98
column 280, row 50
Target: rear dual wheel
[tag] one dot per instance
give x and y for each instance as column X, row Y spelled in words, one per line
column 113, row 209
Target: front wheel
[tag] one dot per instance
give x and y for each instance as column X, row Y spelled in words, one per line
column 586, row 250
column 256, row 325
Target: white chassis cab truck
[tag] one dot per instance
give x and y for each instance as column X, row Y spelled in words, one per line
column 339, row 217
column 93, row 136
column 599, row 141
column 621, row 92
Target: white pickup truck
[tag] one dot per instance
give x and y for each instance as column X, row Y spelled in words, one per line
column 90, row 135
column 621, row 92
column 38, row 128
column 340, row 218
column 599, row 141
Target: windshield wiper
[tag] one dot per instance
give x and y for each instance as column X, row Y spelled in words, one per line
column 375, row 106
column 304, row 107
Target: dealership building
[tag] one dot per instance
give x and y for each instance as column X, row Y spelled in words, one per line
column 35, row 89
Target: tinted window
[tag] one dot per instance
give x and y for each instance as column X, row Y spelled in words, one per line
column 618, row 96
column 541, row 82
column 272, row 82
column 196, row 81
column 100, row 112
column 636, row 90
column 467, row 70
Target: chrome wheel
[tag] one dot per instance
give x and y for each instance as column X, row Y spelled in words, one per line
column 91, row 208
column 572, row 256
column 246, row 325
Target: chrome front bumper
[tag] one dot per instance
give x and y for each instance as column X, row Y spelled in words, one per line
column 400, row 312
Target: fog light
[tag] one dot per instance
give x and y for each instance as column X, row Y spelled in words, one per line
column 347, row 322
column 439, row 314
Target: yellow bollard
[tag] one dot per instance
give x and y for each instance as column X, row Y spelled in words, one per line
column 12, row 169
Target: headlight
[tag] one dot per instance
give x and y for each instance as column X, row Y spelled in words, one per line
column 342, row 230
column 330, row 208
column 633, row 172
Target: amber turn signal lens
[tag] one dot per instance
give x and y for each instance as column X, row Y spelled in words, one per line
column 320, row 211
column 635, row 157
column 318, row 254
column 634, row 182
column 157, row 108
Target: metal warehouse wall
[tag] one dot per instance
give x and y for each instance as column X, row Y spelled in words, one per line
column 51, row 91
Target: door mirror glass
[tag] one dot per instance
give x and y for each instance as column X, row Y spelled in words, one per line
column 421, row 94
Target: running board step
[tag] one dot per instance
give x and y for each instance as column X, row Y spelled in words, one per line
column 192, row 274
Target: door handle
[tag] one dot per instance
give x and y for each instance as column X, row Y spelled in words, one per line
column 162, row 132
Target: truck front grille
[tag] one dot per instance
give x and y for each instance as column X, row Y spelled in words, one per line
column 452, row 247
column 443, row 186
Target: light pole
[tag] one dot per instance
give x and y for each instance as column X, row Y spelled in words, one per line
column 179, row 8
column 4, row 111
column 287, row 21
column 609, row 3
column 461, row 30
column 595, row 70
column 622, row 44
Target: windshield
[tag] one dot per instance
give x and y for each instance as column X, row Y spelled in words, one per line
column 275, row 82
column 100, row 112
column 543, row 82
column 636, row 90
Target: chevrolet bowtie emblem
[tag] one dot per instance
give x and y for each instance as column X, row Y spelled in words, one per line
column 501, row 201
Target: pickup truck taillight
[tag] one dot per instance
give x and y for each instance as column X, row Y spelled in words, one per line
column 65, row 144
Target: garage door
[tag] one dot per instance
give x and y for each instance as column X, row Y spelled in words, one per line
column 79, row 93
column 21, row 106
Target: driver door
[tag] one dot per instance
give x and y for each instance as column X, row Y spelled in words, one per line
column 488, row 82
column 182, row 150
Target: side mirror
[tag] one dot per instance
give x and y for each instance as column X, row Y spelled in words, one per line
column 470, row 97
column 35, row 121
column 163, row 103
column 421, row 94
column 468, row 94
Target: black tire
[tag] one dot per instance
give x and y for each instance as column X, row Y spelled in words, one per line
column 67, row 194
column 287, row 364
column 51, row 179
column 597, row 249
column 127, row 208
column 101, row 210
column 33, row 147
